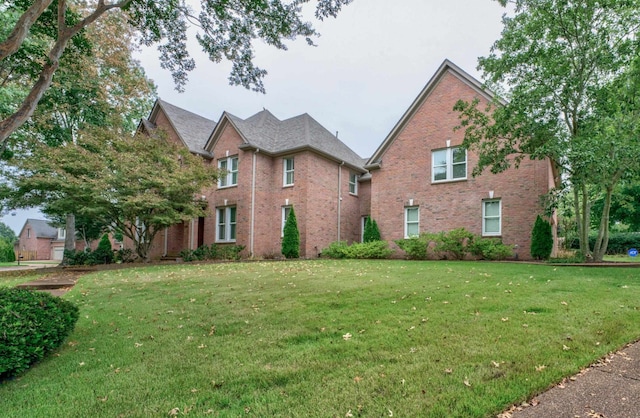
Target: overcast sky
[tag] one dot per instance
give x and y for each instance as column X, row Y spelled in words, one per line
column 367, row 68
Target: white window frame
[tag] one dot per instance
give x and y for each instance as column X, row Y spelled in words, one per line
column 449, row 164
column 363, row 223
column 62, row 233
column 226, row 224
column 285, row 212
column 407, row 222
column 486, row 233
column 353, row 183
column 286, row 171
column 231, row 178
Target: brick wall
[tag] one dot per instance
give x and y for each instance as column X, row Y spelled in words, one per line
column 405, row 174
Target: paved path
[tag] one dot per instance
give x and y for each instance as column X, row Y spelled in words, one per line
column 608, row 389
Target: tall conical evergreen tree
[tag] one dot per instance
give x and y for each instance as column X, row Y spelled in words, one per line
column 541, row 239
column 291, row 238
column 371, row 231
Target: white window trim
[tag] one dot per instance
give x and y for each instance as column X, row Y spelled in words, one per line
column 285, row 171
column 62, row 233
column 226, row 212
column 484, row 219
column 449, row 165
column 284, row 218
column 363, row 223
column 354, row 183
column 406, row 220
column 226, row 180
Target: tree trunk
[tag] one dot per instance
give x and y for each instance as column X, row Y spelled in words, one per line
column 70, row 237
column 602, row 241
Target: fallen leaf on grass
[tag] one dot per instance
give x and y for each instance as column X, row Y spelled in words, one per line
column 466, row 382
column 346, row 336
column 448, row 371
column 357, row 379
column 540, row 368
column 495, row 364
column 348, row 414
column 174, row 412
column 505, row 319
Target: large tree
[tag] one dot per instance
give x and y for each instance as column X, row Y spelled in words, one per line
column 225, row 29
column 551, row 67
column 138, row 185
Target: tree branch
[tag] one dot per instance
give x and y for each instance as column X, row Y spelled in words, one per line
column 22, row 27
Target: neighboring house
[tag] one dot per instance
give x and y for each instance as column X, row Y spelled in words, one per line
column 418, row 180
column 39, row 240
column 274, row 165
column 421, row 178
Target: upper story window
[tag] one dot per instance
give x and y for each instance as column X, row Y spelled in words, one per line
column 353, row 183
column 411, row 221
column 62, row 233
column 228, row 171
column 288, row 168
column 492, row 217
column 226, row 224
column 28, row 233
column 449, row 164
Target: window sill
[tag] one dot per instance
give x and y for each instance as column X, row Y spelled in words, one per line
column 226, row 242
column 287, row 185
column 448, row 181
column 497, row 235
column 353, row 194
column 227, row 187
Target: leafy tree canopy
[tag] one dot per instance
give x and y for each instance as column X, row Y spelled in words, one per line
column 36, row 34
column 7, row 233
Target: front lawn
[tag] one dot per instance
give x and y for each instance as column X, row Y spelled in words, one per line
column 327, row 339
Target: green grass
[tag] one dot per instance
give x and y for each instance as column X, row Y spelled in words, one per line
column 327, row 338
column 12, row 278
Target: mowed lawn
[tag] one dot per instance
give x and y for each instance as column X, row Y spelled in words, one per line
column 327, row 339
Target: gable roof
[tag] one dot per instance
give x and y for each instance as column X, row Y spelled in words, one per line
column 192, row 129
column 446, row 67
column 40, row 228
column 265, row 132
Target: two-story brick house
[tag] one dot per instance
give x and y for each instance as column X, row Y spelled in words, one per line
column 418, row 180
column 274, row 165
column 421, row 178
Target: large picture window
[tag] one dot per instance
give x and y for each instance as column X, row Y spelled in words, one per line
column 288, row 166
column 449, row 164
column 226, row 224
column 411, row 222
column 228, row 172
column 492, row 217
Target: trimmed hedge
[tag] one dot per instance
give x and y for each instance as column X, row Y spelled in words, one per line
column 368, row 250
column 32, row 324
column 619, row 243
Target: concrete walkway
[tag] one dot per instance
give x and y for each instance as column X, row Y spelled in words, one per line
column 608, row 389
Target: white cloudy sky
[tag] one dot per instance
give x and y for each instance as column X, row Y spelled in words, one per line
column 369, row 65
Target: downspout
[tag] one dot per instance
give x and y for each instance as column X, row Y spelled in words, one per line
column 191, row 232
column 339, row 197
column 166, row 241
column 253, row 200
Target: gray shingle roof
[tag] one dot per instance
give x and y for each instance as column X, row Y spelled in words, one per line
column 194, row 130
column 42, row 228
column 266, row 132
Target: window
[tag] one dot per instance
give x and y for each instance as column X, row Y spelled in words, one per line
column 353, row 183
column 411, row 221
column 491, row 217
column 229, row 166
column 62, row 233
column 286, row 210
column 363, row 224
column 288, row 172
column 449, row 164
column 28, row 233
column 226, row 224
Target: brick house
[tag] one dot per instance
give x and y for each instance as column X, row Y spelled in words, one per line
column 274, row 165
column 38, row 240
column 418, row 180
column 421, row 179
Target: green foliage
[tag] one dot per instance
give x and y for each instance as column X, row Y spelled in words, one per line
column 371, row 231
column 490, row 249
column 7, row 254
column 619, row 243
column 7, row 234
column 104, row 253
column 416, row 248
column 456, row 244
column 370, row 250
column 125, row 255
column 33, row 324
column 213, row 252
column 79, row 258
column 541, row 239
column 291, row 237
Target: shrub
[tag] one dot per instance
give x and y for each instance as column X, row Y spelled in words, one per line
column 619, row 242
column 7, row 255
column 454, row 243
column 103, row 254
column 490, row 249
column 125, row 255
column 373, row 249
column 33, row 324
column 416, row 248
column 78, row 258
column 371, row 231
column 335, row 250
column 291, row 237
column 229, row 252
column 541, row 239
